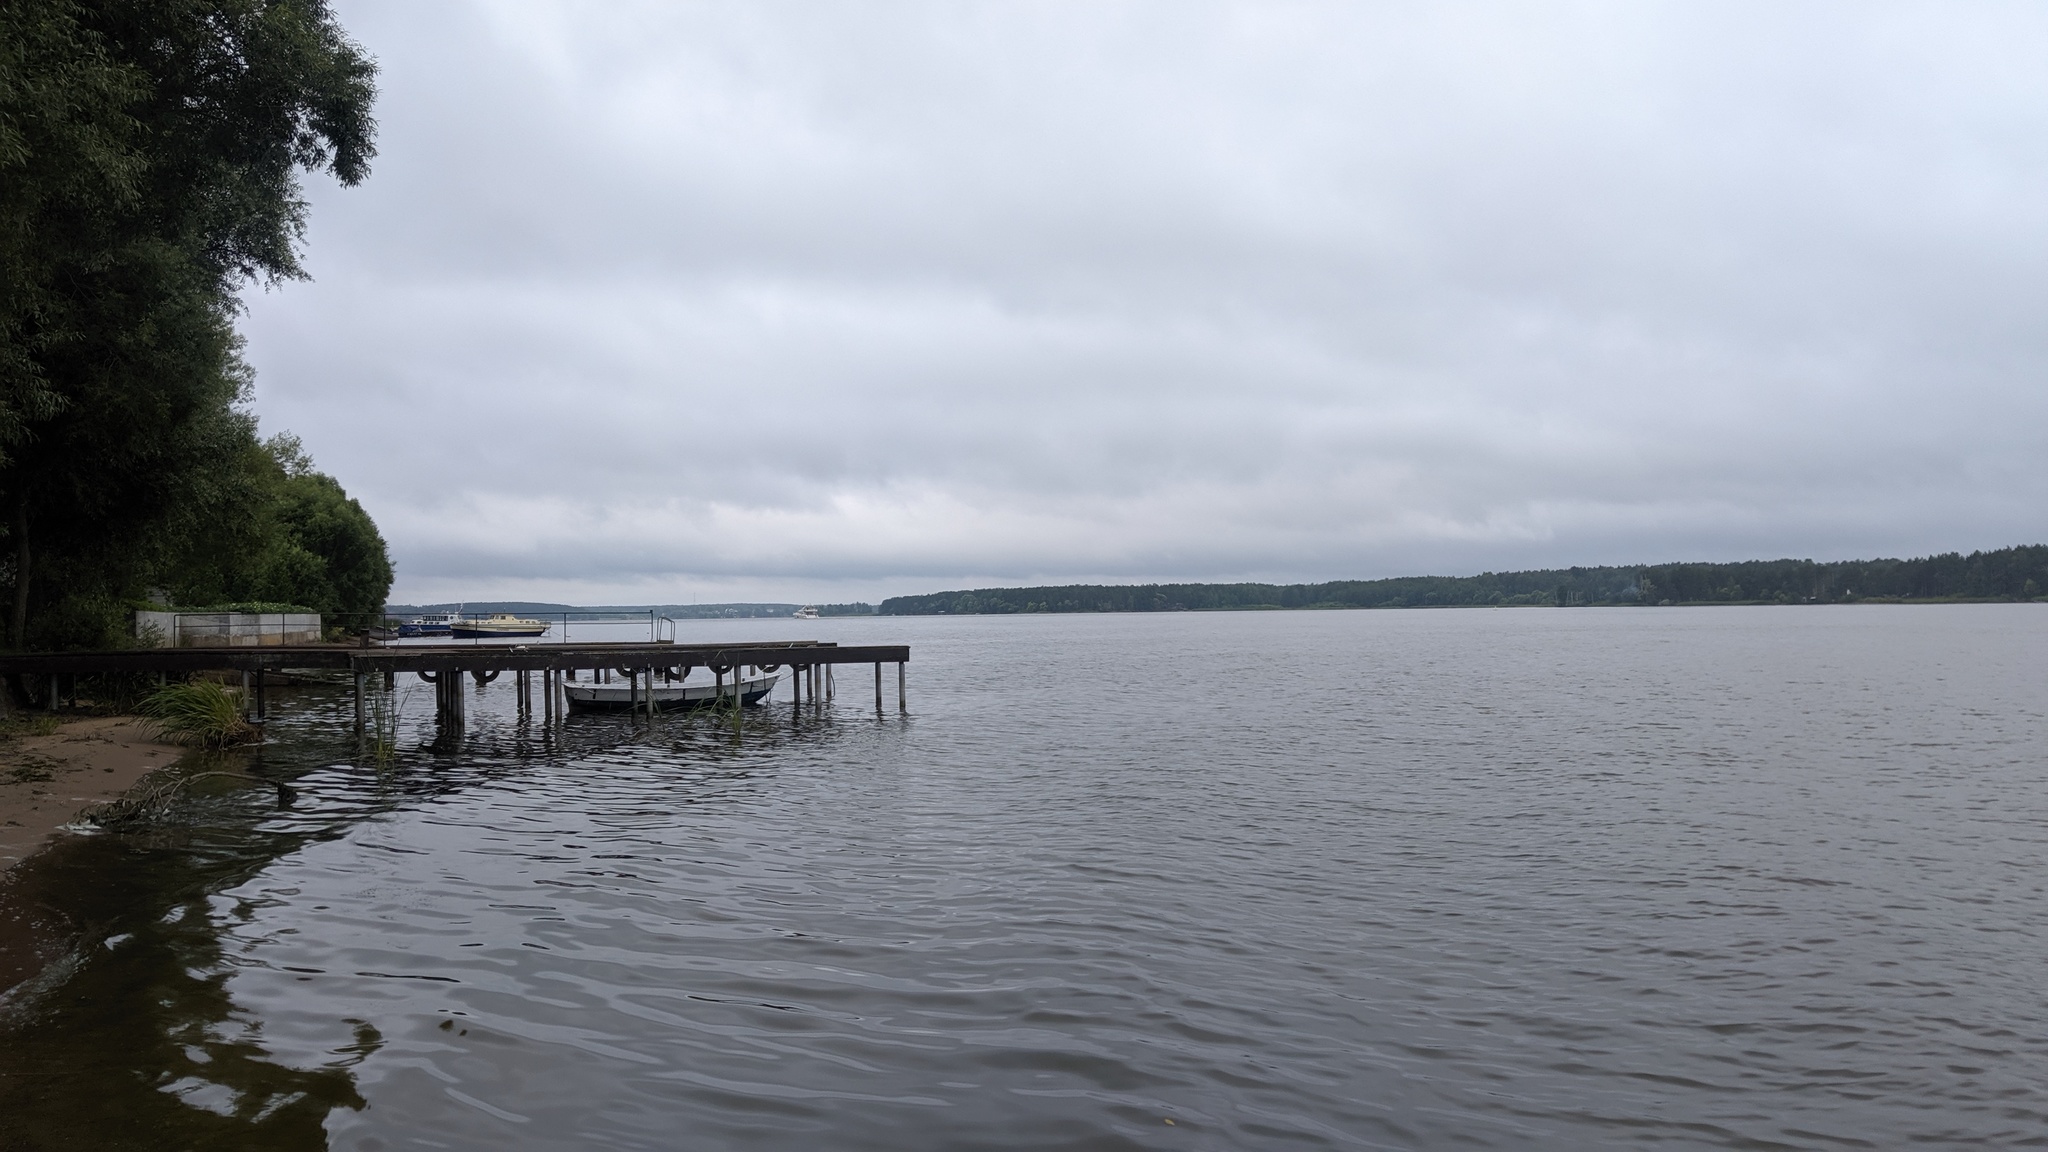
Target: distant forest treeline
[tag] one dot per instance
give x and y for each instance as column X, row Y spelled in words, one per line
column 2007, row 574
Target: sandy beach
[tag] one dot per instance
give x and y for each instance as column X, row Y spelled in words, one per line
column 47, row 780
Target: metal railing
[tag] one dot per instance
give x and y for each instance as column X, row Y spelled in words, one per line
column 564, row 627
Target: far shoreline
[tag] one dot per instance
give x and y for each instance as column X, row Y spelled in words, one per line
column 1896, row 601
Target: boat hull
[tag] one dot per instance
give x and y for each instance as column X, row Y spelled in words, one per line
column 485, row 631
column 667, row 697
column 410, row 629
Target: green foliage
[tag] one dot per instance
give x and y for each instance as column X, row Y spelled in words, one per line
column 297, row 544
column 198, row 712
column 2009, row 573
column 349, row 571
column 150, row 153
column 22, row 724
column 2000, row 575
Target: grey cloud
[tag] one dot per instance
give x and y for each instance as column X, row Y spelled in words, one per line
column 867, row 299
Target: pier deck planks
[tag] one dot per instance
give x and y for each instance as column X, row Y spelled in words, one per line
column 446, row 657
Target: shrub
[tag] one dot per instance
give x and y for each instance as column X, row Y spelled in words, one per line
column 199, row 712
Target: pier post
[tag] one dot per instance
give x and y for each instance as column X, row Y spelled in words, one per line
column 262, row 713
column 878, row 687
column 360, row 724
column 796, row 689
column 650, row 693
column 828, row 683
column 902, row 705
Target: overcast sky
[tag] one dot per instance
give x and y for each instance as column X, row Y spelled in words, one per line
column 833, row 301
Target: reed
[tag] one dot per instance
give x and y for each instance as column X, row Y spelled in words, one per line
column 382, row 738
column 199, row 712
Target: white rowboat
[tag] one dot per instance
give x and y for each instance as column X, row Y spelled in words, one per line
column 620, row 696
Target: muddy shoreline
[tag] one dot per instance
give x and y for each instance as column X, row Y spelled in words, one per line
column 47, row 780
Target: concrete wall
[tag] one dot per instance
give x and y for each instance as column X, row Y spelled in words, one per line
column 227, row 629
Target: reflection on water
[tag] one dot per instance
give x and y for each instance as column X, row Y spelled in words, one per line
column 1566, row 878
column 130, row 1037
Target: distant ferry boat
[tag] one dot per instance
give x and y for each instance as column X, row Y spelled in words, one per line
column 498, row 624
column 807, row 612
column 429, row 624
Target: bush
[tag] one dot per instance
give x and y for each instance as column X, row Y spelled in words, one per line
column 200, row 712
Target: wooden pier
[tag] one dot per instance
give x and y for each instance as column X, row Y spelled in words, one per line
column 538, row 665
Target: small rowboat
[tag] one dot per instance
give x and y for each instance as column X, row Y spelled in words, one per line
column 620, row 696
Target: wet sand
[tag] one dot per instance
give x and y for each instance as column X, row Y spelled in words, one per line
column 47, row 780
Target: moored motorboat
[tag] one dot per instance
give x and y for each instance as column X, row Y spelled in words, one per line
column 497, row 624
column 427, row 624
column 807, row 612
column 622, row 695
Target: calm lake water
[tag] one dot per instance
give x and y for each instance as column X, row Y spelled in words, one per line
column 1743, row 878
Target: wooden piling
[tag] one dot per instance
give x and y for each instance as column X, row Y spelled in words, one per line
column 902, row 702
column 878, row 687
column 361, row 719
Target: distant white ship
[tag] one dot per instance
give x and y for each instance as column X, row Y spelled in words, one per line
column 807, row 612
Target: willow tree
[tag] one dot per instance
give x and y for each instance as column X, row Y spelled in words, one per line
column 150, row 161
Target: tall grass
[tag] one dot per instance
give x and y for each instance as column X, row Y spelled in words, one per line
column 199, row 712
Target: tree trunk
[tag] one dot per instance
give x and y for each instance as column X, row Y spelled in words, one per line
column 18, row 629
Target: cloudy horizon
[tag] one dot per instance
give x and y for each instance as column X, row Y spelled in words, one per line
column 713, row 302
